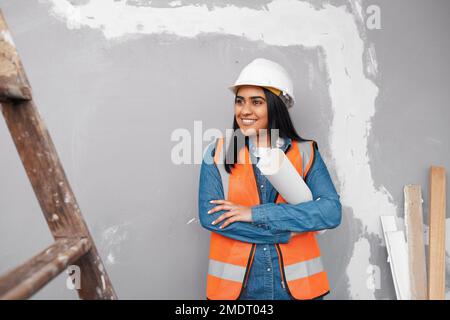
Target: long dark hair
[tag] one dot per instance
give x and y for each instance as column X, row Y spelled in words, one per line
column 279, row 118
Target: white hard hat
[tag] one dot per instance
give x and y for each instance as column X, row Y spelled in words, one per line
column 265, row 73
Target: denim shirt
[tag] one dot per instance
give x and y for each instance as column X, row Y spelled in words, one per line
column 272, row 223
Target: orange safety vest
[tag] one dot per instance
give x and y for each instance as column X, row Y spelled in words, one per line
column 230, row 260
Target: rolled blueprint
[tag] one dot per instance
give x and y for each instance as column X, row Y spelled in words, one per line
column 277, row 168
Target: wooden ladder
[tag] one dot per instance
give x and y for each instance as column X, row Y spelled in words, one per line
column 73, row 243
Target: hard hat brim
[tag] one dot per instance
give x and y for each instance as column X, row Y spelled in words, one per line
column 233, row 89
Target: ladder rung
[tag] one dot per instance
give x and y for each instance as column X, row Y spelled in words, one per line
column 23, row 281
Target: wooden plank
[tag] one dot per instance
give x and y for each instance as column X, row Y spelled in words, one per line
column 13, row 81
column 49, row 181
column 25, row 280
column 436, row 257
column 415, row 242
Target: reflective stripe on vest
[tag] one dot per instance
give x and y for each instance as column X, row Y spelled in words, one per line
column 303, row 269
column 226, row 271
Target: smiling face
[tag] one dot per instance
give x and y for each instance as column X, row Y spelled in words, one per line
column 250, row 110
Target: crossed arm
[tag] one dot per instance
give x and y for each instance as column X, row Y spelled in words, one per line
column 268, row 223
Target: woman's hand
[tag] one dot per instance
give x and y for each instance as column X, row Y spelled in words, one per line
column 235, row 212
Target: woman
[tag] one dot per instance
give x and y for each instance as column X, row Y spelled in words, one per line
column 262, row 247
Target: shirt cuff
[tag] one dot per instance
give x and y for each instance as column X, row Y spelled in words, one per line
column 259, row 218
column 284, row 237
column 259, row 215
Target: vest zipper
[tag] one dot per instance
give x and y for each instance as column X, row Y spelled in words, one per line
column 283, row 275
column 247, row 270
column 249, row 265
column 283, row 282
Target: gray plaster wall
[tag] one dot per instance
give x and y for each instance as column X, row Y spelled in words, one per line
column 111, row 103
